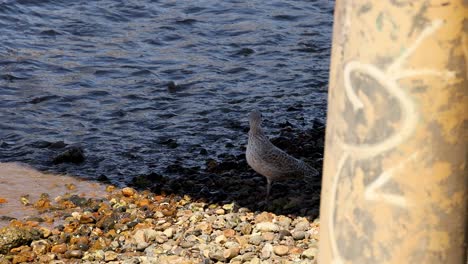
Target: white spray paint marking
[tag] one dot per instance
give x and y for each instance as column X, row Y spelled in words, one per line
column 388, row 79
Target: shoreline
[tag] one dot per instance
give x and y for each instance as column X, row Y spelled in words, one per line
column 210, row 215
column 130, row 226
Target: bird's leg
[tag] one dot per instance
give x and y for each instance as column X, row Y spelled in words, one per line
column 268, row 190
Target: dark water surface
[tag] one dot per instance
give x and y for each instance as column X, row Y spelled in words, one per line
column 96, row 73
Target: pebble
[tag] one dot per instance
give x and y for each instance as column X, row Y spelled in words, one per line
column 245, row 228
column 230, row 253
column 221, row 239
column 266, row 251
column 268, row 236
column 310, row 253
column 255, row 240
column 59, row 249
column 110, row 256
column 280, row 250
column 217, row 254
column 302, row 226
column 266, row 227
column 140, row 227
column 74, row 254
column 128, row 192
column 298, row 235
column 169, row 232
column 40, row 247
column 220, row 211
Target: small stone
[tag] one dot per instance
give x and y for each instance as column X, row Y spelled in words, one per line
column 296, row 250
column 87, row 218
column 47, row 258
column 245, row 228
column 228, row 207
column 221, row 239
column 74, row 254
column 280, row 250
column 298, row 235
column 255, row 240
column 40, row 247
column 21, row 257
column 284, row 233
column 255, row 260
column 268, row 236
column 128, row 192
column 302, row 226
column 59, row 249
column 231, row 253
column 187, row 244
column 99, row 254
column 220, row 211
column 110, row 256
column 266, row 227
column 217, row 254
column 229, row 232
column 310, row 253
column 169, row 232
column 266, row 251
column 264, row 217
column 45, row 232
column 231, row 244
column 284, row 221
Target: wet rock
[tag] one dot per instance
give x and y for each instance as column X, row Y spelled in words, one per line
column 57, row 145
column 40, row 247
column 170, row 143
column 78, row 254
column 11, row 237
column 103, row 178
column 59, row 249
column 203, row 151
column 172, row 87
column 128, row 192
column 245, row 52
column 24, row 257
column 72, row 154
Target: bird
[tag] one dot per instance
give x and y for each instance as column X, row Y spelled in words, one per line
column 270, row 161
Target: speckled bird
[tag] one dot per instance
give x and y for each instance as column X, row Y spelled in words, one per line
column 270, row 161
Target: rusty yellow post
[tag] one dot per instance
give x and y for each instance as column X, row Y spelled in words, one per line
column 395, row 173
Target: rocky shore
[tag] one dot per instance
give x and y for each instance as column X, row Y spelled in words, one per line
column 210, row 215
column 141, row 227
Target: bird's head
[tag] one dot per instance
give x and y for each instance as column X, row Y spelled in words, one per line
column 255, row 118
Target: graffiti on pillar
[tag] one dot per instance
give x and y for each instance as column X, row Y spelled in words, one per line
column 388, row 80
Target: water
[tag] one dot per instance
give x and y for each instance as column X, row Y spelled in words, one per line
column 96, row 73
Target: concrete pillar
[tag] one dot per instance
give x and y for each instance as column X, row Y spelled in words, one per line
column 395, row 171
